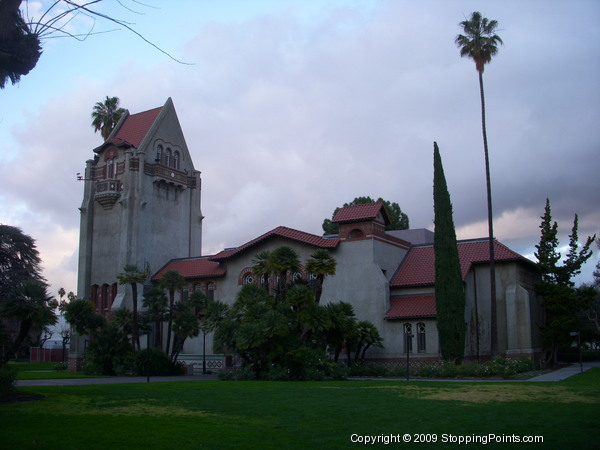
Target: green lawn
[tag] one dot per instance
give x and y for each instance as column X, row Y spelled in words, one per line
column 43, row 371
column 303, row 415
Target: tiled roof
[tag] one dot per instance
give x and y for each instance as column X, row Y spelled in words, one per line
column 135, row 128
column 412, row 307
column 359, row 213
column 418, row 267
column 200, row 267
column 284, row 232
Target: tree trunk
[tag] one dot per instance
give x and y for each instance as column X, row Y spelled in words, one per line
column 170, row 324
column 135, row 338
column 493, row 311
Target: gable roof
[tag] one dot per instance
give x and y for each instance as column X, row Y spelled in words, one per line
column 135, row 128
column 422, row 306
column 283, row 232
column 418, row 267
column 359, row 213
column 199, row 267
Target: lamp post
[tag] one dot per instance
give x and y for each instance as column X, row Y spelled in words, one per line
column 204, row 352
column 408, row 339
column 578, row 334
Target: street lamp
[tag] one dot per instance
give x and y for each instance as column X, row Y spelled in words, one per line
column 408, row 339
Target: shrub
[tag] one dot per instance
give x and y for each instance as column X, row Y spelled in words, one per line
column 278, row 373
column 7, row 379
column 156, row 362
column 244, row 374
column 61, row 366
column 338, row 371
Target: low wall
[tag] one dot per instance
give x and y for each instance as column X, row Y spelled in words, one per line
column 38, row 354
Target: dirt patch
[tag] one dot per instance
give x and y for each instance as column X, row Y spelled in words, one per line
column 478, row 393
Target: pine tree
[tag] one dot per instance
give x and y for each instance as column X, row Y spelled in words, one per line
column 449, row 293
column 560, row 300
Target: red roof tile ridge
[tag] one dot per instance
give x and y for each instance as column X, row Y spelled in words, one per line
column 363, row 211
column 286, row 232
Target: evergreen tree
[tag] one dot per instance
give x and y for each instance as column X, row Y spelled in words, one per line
column 562, row 303
column 398, row 219
column 449, row 293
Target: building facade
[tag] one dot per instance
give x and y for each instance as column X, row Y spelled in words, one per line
column 142, row 206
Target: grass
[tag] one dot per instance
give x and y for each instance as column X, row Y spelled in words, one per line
column 265, row 415
column 43, row 371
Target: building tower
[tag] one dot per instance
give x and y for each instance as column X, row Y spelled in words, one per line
column 141, row 205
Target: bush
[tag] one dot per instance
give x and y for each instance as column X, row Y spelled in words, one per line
column 278, row 373
column 499, row 367
column 244, row 374
column 7, row 379
column 157, row 361
column 61, row 366
column 338, row 371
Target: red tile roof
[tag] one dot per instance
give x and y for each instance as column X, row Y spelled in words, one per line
column 412, row 307
column 135, row 128
column 418, row 267
column 358, row 213
column 200, row 267
column 284, row 232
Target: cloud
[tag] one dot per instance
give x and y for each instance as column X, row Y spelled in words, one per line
column 289, row 116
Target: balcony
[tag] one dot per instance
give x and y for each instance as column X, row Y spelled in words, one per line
column 107, row 192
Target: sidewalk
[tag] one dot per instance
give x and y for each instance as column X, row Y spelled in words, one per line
column 566, row 372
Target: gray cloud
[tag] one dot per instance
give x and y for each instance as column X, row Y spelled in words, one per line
column 289, row 117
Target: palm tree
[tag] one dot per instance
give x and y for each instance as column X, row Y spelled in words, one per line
column 29, row 307
column 171, row 281
column 155, row 302
column 283, row 260
column 261, row 268
column 321, row 265
column 480, row 43
column 133, row 276
column 106, row 116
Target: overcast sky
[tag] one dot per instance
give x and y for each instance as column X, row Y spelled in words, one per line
column 291, row 108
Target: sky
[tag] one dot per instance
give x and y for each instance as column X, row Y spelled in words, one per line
column 291, row 108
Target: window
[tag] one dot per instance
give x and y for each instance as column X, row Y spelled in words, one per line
column 408, row 338
column 210, row 291
column 248, row 278
column 159, row 152
column 110, row 168
column 421, row 338
column 176, row 160
column 168, row 157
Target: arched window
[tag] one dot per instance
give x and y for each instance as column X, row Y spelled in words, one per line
column 421, row 338
column 159, row 152
column 168, row 157
column 408, row 338
column 249, row 278
column 176, row 161
column 210, row 291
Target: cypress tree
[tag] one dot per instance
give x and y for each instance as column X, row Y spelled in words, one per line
column 449, row 292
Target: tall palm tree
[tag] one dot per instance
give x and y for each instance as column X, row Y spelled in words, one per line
column 133, row 276
column 480, row 43
column 283, row 261
column 106, row 115
column 155, row 302
column 171, row 281
column 320, row 264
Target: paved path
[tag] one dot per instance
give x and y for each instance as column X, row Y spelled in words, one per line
column 566, row 372
column 556, row 375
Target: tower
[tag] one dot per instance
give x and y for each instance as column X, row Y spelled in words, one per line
column 141, row 205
